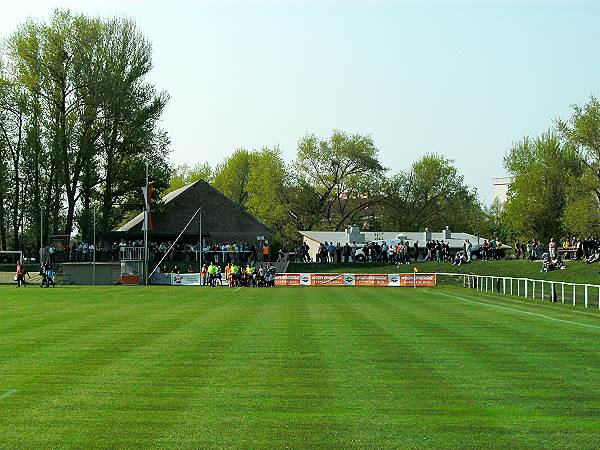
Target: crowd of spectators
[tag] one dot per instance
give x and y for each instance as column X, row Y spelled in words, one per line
column 239, row 252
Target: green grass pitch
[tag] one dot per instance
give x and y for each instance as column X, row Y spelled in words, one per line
column 295, row 367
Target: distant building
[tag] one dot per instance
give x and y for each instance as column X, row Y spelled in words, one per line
column 501, row 186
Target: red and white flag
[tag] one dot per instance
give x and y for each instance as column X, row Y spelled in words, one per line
column 147, row 191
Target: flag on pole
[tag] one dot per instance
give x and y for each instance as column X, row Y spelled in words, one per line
column 147, row 191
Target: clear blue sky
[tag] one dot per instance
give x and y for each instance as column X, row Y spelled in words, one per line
column 462, row 78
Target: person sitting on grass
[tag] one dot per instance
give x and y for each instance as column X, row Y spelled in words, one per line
column 594, row 257
column 552, row 263
column 459, row 259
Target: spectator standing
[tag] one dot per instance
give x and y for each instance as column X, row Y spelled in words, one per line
column 384, row 251
column 552, row 248
column 347, row 252
column 331, row 252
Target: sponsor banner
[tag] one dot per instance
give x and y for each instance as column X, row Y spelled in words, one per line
column 349, row 279
column 327, row 279
column 419, row 279
column 130, row 280
column 305, row 279
column 371, row 279
column 160, row 278
column 393, row 279
column 287, row 279
column 185, row 279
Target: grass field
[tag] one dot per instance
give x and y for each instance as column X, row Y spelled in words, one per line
column 295, row 367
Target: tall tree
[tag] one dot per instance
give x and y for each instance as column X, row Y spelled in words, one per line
column 129, row 132
column 334, row 180
column 582, row 132
column 231, row 176
column 431, row 194
column 185, row 174
column 13, row 104
column 543, row 169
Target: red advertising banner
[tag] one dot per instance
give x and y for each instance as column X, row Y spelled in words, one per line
column 371, row 279
column 287, row 279
column 422, row 279
column 327, row 279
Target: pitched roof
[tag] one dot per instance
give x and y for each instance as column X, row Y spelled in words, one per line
column 166, row 199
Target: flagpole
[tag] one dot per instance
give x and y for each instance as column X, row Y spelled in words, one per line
column 146, row 231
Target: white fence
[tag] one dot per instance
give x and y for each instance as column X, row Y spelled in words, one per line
column 587, row 295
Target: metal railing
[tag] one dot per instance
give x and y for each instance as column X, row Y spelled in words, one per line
column 584, row 294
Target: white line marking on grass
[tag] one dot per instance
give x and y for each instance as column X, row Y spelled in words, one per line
column 519, row 311
column 237, row 289
column 7, row 393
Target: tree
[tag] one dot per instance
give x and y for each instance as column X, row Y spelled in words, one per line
column 12, row 134
column 431, row 194
column 231, row 176
column 185, row 174
column 259, row 181
column 267, row 191
column 88, row 123
column 582, row 132
column 335, row 181
column 543, row 169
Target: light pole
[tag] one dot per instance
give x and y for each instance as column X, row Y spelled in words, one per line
column 94, row 255
column 146, row 205
column 41, row 234
column 201, row 246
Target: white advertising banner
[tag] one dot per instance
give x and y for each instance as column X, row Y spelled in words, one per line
column 349, row 279
column 305, row 279
column 393, row 279
column 185, row 279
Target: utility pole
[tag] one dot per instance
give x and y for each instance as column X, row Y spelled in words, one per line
column 41, row 234
column 94, row 255
column 146, row 231
column 201, row 246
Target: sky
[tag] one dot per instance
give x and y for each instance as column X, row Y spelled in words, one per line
column 462, row 78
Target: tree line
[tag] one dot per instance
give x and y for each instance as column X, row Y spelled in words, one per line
column 556, row 187
column 339, row 181
column 78, row 121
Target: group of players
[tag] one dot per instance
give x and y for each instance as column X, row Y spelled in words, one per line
column 46, row 272
column 238, row 276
